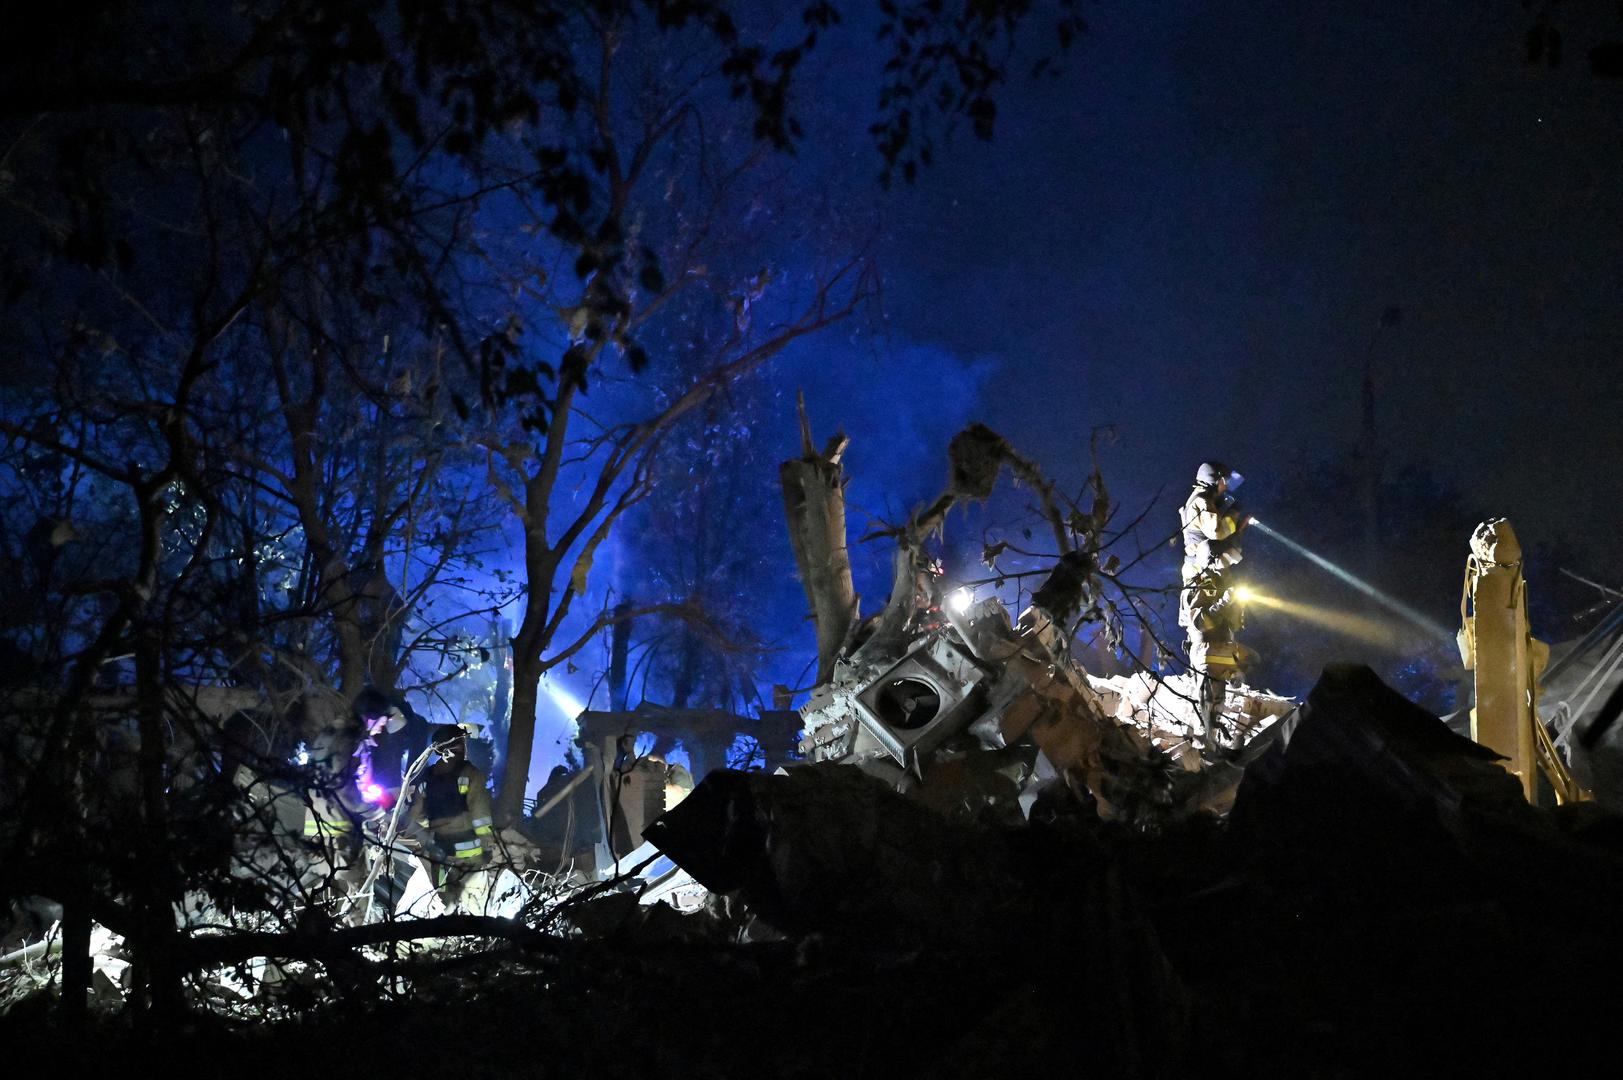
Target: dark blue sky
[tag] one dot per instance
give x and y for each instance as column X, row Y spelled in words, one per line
column 1193, row 233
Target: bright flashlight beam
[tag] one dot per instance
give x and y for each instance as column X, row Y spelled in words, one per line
column 1372, row 631
column 568, row 704
column 1391, row 603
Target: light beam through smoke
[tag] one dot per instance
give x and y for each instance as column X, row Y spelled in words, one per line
column 1349, row 578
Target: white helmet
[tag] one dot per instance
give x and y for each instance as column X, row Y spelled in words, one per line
column 1211, row 473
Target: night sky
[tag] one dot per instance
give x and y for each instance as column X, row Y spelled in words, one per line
column 1192, row 235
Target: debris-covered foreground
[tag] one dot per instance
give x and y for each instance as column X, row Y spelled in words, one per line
column 1379, row 899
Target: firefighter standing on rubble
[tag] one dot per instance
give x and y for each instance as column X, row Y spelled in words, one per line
column 449, row 817
column 1209, row 607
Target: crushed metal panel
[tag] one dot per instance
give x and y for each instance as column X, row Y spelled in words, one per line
column 922, row 700
column 980, row 685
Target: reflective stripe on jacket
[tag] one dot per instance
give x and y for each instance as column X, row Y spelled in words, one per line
column 320, row 826
column 454, row 810
column 326, row 817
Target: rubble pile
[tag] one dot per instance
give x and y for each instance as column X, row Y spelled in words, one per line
column 1380, row 900
column 1164, row 708
column 974, row 712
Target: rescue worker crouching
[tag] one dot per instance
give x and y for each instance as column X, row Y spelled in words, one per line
column 1209, row 608
column 449, row 819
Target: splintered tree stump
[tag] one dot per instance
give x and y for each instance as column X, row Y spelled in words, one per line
column 814, row 501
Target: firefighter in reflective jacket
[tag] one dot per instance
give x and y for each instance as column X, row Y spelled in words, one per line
column 449, row 816
column 1208, row 606
column 333, row 868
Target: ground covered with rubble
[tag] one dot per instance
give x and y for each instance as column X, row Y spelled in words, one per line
column 1380, row 899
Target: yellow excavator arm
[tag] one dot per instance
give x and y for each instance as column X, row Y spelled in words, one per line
column 1498, row 647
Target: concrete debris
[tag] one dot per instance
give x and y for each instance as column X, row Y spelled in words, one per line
column 33, row 966
column 1165, row 708
column 1380, row 900
column 972, row 697
column 1378, row 890
column 495, row 891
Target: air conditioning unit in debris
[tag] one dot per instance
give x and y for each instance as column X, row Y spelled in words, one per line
column 925, row 698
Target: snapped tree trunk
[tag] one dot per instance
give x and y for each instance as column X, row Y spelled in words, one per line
column 501, row 698
column 527, row 668
column 814, row 501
